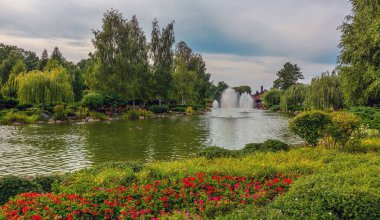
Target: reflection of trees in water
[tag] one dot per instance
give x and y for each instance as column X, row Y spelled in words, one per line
column 144, row 139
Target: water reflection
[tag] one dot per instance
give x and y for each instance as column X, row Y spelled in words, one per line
column 41, row 149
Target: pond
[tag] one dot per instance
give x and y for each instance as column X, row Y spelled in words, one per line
column 47, row 148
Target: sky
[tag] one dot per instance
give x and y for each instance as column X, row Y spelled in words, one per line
column 244, row 42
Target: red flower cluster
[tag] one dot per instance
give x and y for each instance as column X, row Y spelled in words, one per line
column 198, row 194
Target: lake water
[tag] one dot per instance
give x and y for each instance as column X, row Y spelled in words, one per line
column 47, row 148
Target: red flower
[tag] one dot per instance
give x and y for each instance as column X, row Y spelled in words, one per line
column 36, row 217
column 164, row 199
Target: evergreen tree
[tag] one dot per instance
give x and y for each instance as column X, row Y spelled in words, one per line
column 44, row 59
column 57, row 55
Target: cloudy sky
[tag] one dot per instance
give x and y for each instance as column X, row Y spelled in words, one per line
column 244, row 42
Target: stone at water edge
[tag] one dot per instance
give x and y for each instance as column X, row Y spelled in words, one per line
column 44, row 115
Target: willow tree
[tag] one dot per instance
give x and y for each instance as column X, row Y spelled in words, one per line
column 45, row 87
column 10, row 88
column 293, row 98
column 359, row 59
column 325, row 92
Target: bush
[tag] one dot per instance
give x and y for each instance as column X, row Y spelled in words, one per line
column 159, row 109
column 93, row 100
column 98, row 115
column 60, row 113
column 272, row 97
column 189, row 110
column 217, row 152
column 46, row 182
column 267, row 146
column 8, row 103
column 132, row 114
column 341, row 128
column 12, row 185
column 178, row 109
column 369, row 116
column 82, row 112
column 275, row 108
column 12, row 117
column 310, row 125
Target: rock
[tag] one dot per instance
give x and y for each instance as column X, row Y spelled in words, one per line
column 17, row 123
column 41, row 122
column 141, row 117
column 44, row 115
column 91, row 120
column 59, row 122
column 51, row 121
column 97, row 120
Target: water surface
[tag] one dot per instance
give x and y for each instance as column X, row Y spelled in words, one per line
column 43, row 149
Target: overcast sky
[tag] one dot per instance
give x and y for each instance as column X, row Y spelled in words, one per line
column 244, row 42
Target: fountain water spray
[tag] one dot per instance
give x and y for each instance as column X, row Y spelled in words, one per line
column 215, row 104
column 246, row 102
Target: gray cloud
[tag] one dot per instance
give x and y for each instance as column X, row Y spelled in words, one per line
column 247, row 36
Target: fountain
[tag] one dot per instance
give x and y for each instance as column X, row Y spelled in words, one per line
column 215, row 104
column 232, row 105
column 246, row 102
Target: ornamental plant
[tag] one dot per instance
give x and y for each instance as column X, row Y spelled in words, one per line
column 310, row 125
column 202, row 194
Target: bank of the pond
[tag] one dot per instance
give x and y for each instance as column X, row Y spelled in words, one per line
column 262, row 181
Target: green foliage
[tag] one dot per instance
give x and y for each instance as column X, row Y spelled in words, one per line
column 271, row 98
column 243, row 89
column 342, row 127
column 45, row 87
column 369, row 116
column 310, row 125
column 82, row 112
column 11, row 87
column 293, row 98
column 93, row 100
column 157, row 109
column 98, row 115
column 19, row 117
column 267, row 146
column 275, row 108
column 287, row 76
column 359, row 56
column 216, row 152
column 217, row 90
column 60, row 112
column 325, row 92
column 132, row 114
column 12, row 185
column 46, row 182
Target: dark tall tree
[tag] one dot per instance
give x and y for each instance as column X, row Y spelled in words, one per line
column 44, row 59
column 161, row 50
column 243, row 89
column 287, row 76
column 359, row 59
column 57, row 55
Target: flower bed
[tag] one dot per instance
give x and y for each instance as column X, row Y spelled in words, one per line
column 202, row 194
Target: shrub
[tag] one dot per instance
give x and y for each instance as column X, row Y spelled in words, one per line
column 267, row 146
column 157, row 109
column 13, row 185
column 93, row 100
column 60, row 113
column 369, row 116
column 82, row 112
column 341, row 128
column 132, row 114
column 271, row 98
column 217, row 152
column 19, row 117
column 189, row 110
column 275, row 108
column 8, row 103
column 310, row 125
column 178, row 109
column 98, row 115
column 46, row 182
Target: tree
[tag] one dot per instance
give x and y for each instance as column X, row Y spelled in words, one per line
column 202, row 87
column 287, row 76
column 44, row 59
column 359, row 59
column 293, row 98
column 218, row 89
column 243, row 89
column 10, row 88
column 57, row 55
column 162, row 55
column 325, row 92
column 8, row 63
column 272, row 98
column 45, row 87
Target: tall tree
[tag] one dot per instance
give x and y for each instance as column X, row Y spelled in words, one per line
column 57, row 55
column 10, row 88
column 359, row 59
column 202, row 82
column 44, row 59
column 161, row 52
column 217, row 90
column 287, row 76
column 243, row 89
